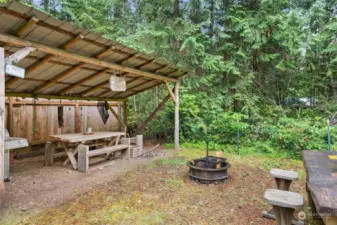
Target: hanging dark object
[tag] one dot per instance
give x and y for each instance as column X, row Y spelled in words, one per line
column 60, row 116
column 102, row 108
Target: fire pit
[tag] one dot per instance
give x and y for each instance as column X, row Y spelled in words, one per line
column 208, row 170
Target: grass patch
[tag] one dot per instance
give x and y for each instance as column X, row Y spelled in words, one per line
column 257, row 149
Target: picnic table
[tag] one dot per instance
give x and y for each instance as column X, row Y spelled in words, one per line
column 71, row 142
column 322, row 184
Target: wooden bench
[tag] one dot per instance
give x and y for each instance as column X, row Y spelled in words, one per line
column 84, row 154
column 283, row 180
column 284, row 204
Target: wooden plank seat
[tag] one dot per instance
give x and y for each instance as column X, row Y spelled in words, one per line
column 84, row 154
column 284, row 204
column 107, row 150
column 283, row 180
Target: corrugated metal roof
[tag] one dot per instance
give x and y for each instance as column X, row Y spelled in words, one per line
column 55, row 33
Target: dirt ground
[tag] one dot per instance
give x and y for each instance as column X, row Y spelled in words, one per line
column 150, row 192
column 34, row 187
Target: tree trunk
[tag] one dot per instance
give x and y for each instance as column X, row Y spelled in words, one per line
column 176, row 8
column 46, row 5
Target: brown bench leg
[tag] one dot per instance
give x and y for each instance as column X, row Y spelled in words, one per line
column 283, row 184
column 83, row 158
column 49, row 153
column 283, row 215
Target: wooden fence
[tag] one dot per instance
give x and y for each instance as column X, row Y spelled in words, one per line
column 35, row 120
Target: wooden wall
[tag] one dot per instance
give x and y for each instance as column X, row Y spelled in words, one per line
column 35, row 120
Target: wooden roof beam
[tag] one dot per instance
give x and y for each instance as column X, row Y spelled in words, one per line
column 62, row 53
column 133, row 88
column 105, row 52
column 100, row 85
column 127, row 83
column 150, row 87
column 20, row 33
column 66, row 97
column 44, row 60
column 59, row 77
column 136, row 80
column 99, row 55
column 134, row 56
column 28, row 26
column 141, row 84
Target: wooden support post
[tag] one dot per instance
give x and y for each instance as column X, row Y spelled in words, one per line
column 77, row 118
column 126, row 114
column 49, row 153
column 176, row 117
column 119, row 113
column 10, row 117
column 83, row 158
column 126, row 141
column 10, row 125
column 2, row 116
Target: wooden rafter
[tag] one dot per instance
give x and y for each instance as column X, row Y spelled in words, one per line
column 44, row 60
column 124, row 61
column 127, row 85
column 20, row 33
column 105, row 52
column 65, row 90
column 141, row 66
column 31, row 23
column 57, row 29
column 79, row 83
column 98, row 86
column 59, row 77
column 62, row 53
column 133, row 88
column 150, row 87
column 66, row 97
column 141, row 84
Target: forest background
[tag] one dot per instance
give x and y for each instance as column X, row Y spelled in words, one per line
column 263, row 71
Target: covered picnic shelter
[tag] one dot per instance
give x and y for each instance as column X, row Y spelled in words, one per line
column 70, row 63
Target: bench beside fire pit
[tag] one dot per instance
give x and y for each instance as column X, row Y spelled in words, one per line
column 208, row 170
